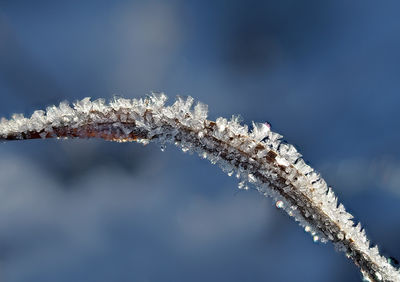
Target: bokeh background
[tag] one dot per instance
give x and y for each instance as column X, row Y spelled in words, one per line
column 325, row 74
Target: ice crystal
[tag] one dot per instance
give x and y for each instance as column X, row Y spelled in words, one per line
column 279, row 204
column 259, row 158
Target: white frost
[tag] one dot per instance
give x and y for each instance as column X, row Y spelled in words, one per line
column 255, row 156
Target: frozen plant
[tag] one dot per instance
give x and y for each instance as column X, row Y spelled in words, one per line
column 257, row 157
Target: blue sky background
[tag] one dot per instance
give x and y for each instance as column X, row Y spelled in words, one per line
column 325, row 74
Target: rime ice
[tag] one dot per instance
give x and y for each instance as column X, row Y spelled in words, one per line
column 257, row 157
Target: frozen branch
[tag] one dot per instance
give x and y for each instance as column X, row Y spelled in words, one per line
column 258, row 157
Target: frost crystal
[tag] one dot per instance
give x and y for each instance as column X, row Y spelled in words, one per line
column 279, row 204
column 260, row 131
column 258, row 158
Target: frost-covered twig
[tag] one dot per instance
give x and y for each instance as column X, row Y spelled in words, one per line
column 258, row 157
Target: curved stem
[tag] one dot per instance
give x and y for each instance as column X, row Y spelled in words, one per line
column 258, row 158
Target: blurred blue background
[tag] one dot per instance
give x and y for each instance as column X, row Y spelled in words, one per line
column 325, row 74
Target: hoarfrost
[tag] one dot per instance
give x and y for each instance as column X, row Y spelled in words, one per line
column 259, row 158
column 260, row 131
